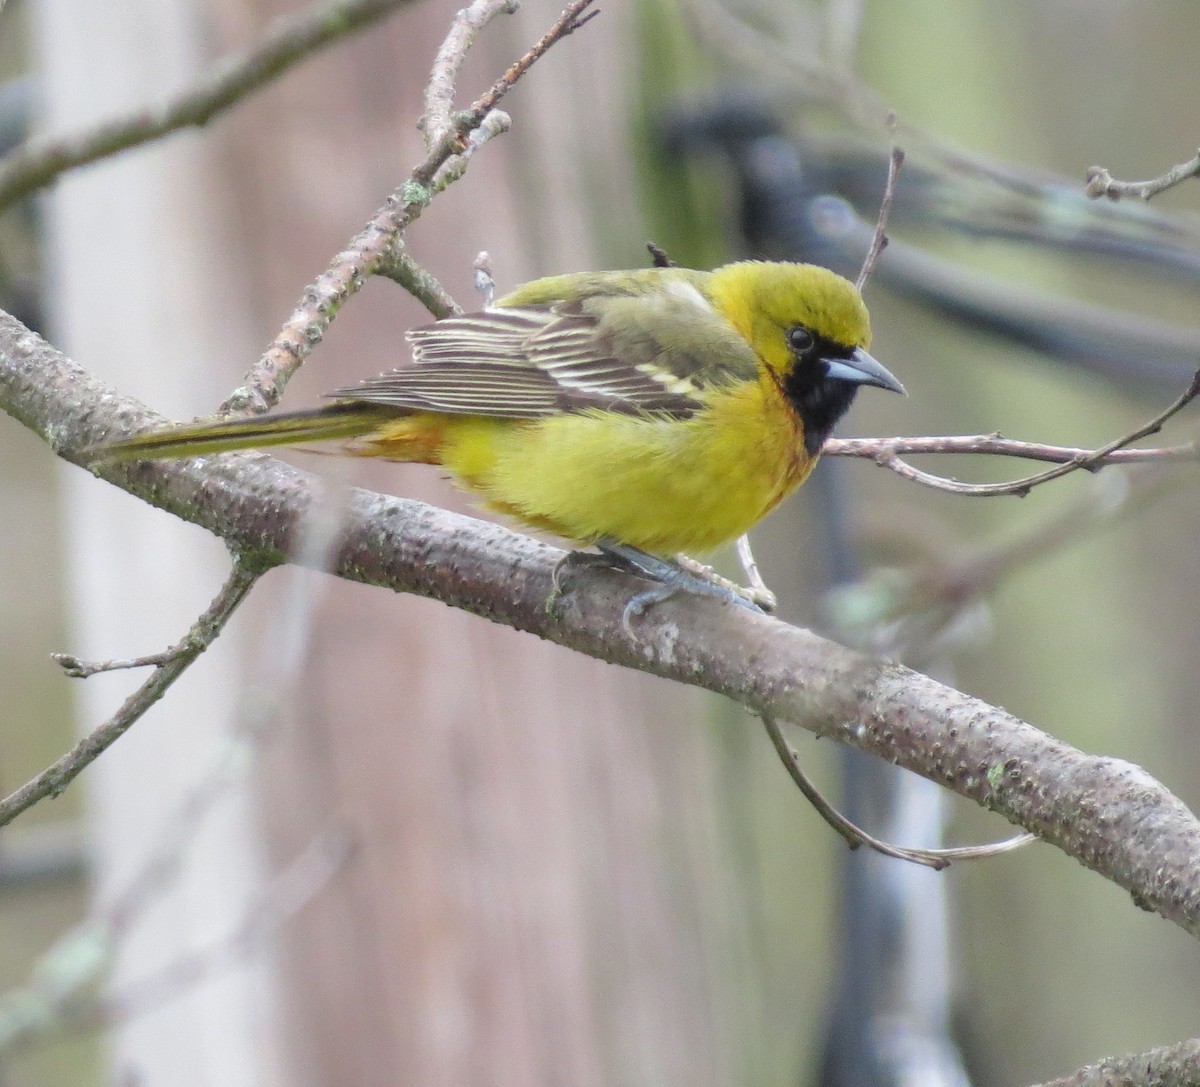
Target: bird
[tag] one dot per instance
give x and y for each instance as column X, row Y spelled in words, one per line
column 651, row 413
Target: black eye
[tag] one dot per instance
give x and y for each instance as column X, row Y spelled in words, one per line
column 800, row 339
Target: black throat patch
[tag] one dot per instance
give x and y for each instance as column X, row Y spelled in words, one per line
column 819, row 400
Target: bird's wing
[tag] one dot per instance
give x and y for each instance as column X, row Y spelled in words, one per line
column 533, row 361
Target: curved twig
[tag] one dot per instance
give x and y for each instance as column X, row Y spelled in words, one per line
column 1101, row 183
column 855, row 836
column 886, row 453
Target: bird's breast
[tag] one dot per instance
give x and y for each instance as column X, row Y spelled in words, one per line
column 664, row 485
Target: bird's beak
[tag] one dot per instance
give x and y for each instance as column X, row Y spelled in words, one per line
column 861, row 369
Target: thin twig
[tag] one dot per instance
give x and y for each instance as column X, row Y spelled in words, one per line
column 437, row 121
column 289, row 40
column 263, row 385
column 79, row 960
column 996, row 445
column 887, row 455
column 56, row 777
column 855, row 836
column 762, row 595
column 375, row 247
column 1101, row 183
column 496, row 123
column 658, row 256
column 422, row 284
column 879, row 239
column 572, row 18
column 78, row 668
column 757, row 592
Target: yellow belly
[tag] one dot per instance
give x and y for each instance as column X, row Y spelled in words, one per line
column 660, row 485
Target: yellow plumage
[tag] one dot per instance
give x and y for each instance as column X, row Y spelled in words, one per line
column 665, row 410
column 642, row 481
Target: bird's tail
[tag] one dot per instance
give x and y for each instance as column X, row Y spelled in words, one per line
column 337, row 421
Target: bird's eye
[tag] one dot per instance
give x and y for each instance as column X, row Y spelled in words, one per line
column 800, row 339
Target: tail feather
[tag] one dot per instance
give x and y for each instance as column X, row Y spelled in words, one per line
column 337, row 421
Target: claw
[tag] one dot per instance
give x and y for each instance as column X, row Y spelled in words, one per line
column 670, row 576
column 641, row 602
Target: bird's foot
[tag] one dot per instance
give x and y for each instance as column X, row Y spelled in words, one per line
column 671, row 576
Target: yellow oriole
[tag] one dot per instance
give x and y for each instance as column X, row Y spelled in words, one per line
column 662, row 410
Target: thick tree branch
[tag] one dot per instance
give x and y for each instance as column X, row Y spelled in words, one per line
column 1109, row 815
column 1166, row 1066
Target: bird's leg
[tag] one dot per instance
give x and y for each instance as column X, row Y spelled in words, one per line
column 672, row 576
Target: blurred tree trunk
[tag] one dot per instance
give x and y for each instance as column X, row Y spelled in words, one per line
column 523, row 908
column 534, row 897
column 146, row 289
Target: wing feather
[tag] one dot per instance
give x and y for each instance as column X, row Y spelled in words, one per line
column 534, row 361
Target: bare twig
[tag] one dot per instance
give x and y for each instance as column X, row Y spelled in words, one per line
column 886, row 454
column 56, row 777
column 761, row 594
column 496, row 123
column 437, row 122
column 756, row 593
column 658, row 256
column 855, row 836
column 418, row 281
column 78, row 668
column 262, row 387
column 1101, row 183
column 289, row 40
column 375, row 248
column 78, row 961
column 879, row 239
column 996, row 445
column 574, row 16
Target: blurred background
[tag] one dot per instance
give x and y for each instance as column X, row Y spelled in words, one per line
column 370, row 840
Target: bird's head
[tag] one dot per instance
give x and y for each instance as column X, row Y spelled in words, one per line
column 811, row 330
